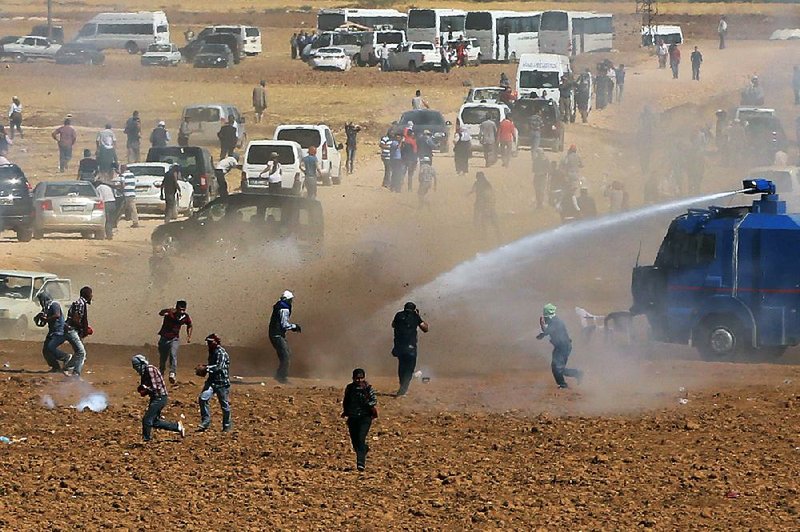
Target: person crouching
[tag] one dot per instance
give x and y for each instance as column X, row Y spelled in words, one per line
column 217, row 383
column 152, row 385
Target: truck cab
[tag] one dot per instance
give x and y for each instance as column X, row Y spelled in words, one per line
column 726, row 279
column 18, row 303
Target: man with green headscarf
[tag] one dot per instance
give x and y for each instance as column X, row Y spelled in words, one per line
column 553, row 327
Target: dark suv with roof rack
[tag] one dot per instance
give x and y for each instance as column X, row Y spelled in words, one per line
column 16, row 202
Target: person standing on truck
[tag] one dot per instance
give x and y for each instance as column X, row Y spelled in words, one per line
column 159, row 137
column 279, row 325
column 228, row 138
column 488, row 139
column 553, row 327
column 169, row 337
column 405, row 325
column 697, row 60
column 311, row 168
column 133, row 132
column 418, row 102
column 351, row 134
column 722, row 31
column 170, row 192
column 65, row 136
column 260, row 95
column 359, row 407
column 15, row 118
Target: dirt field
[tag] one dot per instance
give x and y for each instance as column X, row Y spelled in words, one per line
column 488, row 443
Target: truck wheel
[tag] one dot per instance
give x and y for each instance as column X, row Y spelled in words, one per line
column 721, row 338
column 412, row 66
column 132, row 47
column 24, row 234
column 358, row 61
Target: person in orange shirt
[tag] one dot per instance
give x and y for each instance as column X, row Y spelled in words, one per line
column 506, row 134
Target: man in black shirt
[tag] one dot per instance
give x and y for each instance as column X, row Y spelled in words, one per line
column 358, row 407
column 405, row 325
column 228, row 138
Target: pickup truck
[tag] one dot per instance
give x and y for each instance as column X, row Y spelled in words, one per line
column 414, row 56
column 18, row 303
column 30, row 47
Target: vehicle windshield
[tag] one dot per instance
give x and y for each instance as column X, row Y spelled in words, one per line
column 452, row 22
column 304, row 137
column 230, row 30
column 202, row 114
column 259, row 153
column 330, row 51
column 476, row 115
column 15, row 287
column 422, row 46
column 421, row 18
column 57, row 190
column 390, row 37
column 684, row 250
column 216, row 49
column 160, row 48
column 186, row 157
column 423, row 117
column 486, row 94
column 554, row 21
column 146, row 170
column 526, row 108
column 479, row 20
column 536, row 79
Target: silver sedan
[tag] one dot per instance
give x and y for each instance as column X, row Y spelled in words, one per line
column 68, row 207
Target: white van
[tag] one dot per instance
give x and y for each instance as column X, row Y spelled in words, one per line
column 132, row 31
column 248, row 36
column 376, row 40
column 328, row 152
column 541, row 72
column 668, row 34
column 255, row 160
column 471, row 115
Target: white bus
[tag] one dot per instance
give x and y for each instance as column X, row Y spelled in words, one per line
column 330, row 19
column 435, row 25
column 504, row 35
column 131, row 31
column 574, row 32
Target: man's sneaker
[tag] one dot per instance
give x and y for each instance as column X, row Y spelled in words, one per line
column 227, row 428
column 202, row 427
column 360, row 467
column 172, row 379
column 563, row 386
column 181, row 429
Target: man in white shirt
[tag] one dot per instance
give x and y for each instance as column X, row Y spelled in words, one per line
column 722, row 30
column 274, row 173
column 109, row 204
column 106, row 151
column 223, row 167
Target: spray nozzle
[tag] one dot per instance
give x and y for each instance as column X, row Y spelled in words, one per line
column 758, row 186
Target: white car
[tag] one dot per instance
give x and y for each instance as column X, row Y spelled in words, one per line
column 31, row 47
column 161, row 55
column 329, row 152
column 472, row 114
column 255, row 161
column 415, row 56
column 148, row 188
column 331, row 59
column 18, row 303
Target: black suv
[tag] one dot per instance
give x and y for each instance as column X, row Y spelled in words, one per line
column 245, row 221
column 197, row 167
column 552, row 132
column 16, row 202
column 431, row 120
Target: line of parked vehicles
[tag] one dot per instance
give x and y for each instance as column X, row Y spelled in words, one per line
column 146, row 32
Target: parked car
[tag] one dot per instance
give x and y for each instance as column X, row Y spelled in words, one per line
column 330, row 59
column 255, row 161
column 56, row 33
column 248, row 222
column 197, row 167
column 473, row 50
column 328, row 152
column 414, row 56
column 79, row 54
column 16, row 202
column 31, row 47
column 213, row 56
column 745, row 113
column 374, row 41
column 552, row 132
column 149, row 177
column 206, row 119
column 431, row 120
column 68, row 207
column 19, row 305
column 161, row 55
column 236, row 37
column 471, row 115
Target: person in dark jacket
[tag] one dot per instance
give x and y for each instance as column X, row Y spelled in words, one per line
column 151, row 384
column 279, row 324
column 53, row 318
column 553, row 327
column 159, row 137
column 228, row 138
column 405, row 324
column 217, row 383
column 358, row 407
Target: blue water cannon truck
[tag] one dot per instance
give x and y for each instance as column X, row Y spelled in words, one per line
column 726, row 280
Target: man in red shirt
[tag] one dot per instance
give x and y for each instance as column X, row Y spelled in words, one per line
column 169, row 337
column 506, row 134
column 65, row 136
